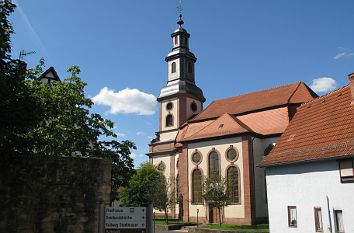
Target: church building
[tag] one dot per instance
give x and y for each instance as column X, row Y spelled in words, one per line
column 229, row 137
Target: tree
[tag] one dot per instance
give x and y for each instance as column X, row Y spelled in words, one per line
column 168, row 199
column 147, row 186
column 214, row 193
column 52, row 120
column 18, row 108
column 68, row 128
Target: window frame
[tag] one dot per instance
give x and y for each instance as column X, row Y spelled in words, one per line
column 318, row 219
column 291, row 225
column 173, row 67
column 336, row 226
column 198, row 196
column 167, row 121
column 227, row 152
column 346, row 179
column 218, row 161
column 238, row 186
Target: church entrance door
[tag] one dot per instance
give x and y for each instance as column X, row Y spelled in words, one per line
column 213, row 215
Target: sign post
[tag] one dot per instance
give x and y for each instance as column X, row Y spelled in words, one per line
column 128, row 219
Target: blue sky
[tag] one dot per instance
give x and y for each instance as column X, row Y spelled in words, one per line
column 241, row 46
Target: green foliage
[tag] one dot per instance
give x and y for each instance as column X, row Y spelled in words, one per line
column 68, row 128
column 214, row 192
column 147, row 186
column 18, row 108
column 55, row 119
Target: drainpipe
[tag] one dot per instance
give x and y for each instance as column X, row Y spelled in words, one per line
column 253, row 184
column 329, row 215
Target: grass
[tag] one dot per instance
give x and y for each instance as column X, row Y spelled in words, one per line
column 255, row 228
column 171, row 222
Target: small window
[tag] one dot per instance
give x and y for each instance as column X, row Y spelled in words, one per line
column 173, row 67
column 196, row 157
column 194, row 107
column 176, row 40
column 161, row 167
column 338, row 218
column 346, row 170
column 231, row 154
column 318, row 219
column 292, row 218
column 169, row 120
column 169, row 106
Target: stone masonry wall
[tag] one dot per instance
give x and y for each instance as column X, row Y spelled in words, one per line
column 53, row 195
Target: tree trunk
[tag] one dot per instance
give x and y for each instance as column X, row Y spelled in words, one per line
column 219, row 215
column 166, row 216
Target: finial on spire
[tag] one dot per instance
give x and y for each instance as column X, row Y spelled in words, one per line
column 180, row 21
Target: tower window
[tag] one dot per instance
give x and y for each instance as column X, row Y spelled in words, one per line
column 173, row 67
column 169, row 120
column 169, row 106
column 194, row 107
column 190, row 67
column 176, row 40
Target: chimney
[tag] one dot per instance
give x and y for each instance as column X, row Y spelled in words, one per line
column 351, row 85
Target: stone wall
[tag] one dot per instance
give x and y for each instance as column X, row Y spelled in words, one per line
column 58, row 194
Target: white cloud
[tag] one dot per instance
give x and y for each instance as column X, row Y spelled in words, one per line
column 126, row 101
column 140, row 133
column 135, row 155
column 323, row 84
column 343, row 52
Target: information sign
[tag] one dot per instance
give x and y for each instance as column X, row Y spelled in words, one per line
column 125, row 218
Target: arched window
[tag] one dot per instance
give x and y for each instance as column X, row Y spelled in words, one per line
column 197, row 187
column 169, row 120
column 173, row 67
column 232, row 189
column 213, row 163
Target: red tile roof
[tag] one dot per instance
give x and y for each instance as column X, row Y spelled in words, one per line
column 321, row 129
column 268, row 122
column 289, row 94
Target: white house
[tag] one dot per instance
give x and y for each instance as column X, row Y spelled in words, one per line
column 309, row 173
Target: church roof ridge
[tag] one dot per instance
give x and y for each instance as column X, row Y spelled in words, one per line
column 294, row 93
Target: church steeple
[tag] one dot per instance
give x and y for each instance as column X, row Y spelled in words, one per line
column 181, row 98
column 181, row 72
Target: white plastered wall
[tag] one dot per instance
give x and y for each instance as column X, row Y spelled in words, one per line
column 221, row 145
column 307, row 186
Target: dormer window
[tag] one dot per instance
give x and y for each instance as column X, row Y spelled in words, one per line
column 169, row 120
column 173, row 67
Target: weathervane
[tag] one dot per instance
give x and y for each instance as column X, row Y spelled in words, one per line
column 180, row 11
column 180, row 7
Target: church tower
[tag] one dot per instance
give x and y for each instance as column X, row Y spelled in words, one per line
column 180, row 98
